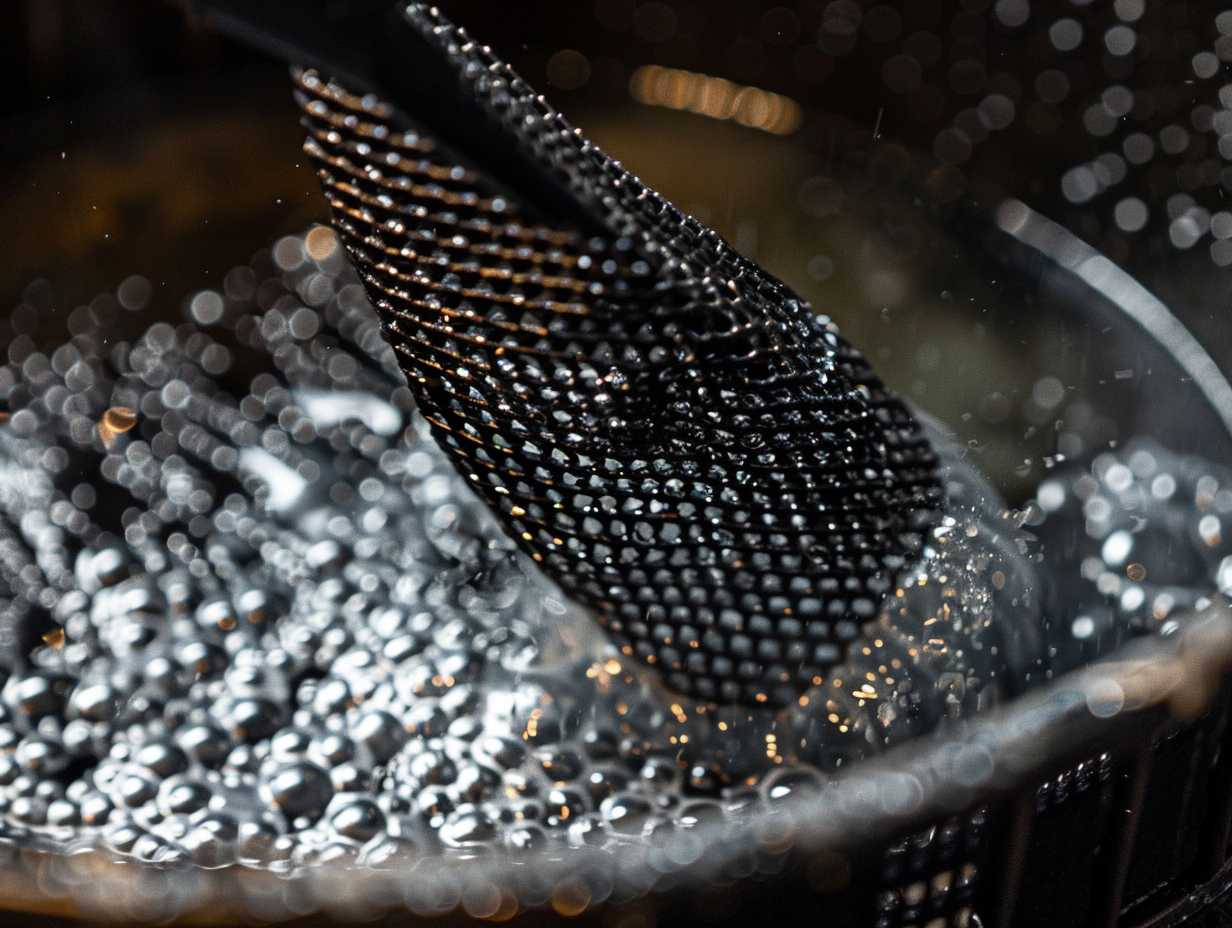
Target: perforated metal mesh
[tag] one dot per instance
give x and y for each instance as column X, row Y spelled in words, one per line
column 671, row 433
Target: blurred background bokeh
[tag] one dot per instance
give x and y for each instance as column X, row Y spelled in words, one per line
column 856, row 149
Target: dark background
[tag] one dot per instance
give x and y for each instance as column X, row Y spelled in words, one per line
column 135, row 139
column 129, row 123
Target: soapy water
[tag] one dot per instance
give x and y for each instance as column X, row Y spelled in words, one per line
column 259, row 620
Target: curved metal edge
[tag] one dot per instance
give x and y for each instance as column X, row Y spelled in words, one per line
column 1116, row 705
column 1061, row 246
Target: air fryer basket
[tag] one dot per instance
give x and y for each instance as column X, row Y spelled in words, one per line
column 1101, row 799
column 1066, row 168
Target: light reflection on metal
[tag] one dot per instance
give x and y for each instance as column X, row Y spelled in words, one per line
column 331, row 407
column 115, row 422
column 1060, row 245
column 321, row 243
column 1110, row 706
column 716, row 98
column 284, row 484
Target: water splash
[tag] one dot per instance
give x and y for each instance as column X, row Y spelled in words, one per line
column 259, row 619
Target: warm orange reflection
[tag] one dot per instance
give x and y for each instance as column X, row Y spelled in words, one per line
column 115, row 422
column 715, row 97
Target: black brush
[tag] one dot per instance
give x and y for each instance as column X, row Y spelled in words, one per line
column 673, row 435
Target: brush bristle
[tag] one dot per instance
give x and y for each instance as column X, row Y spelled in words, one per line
column 675, row 437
